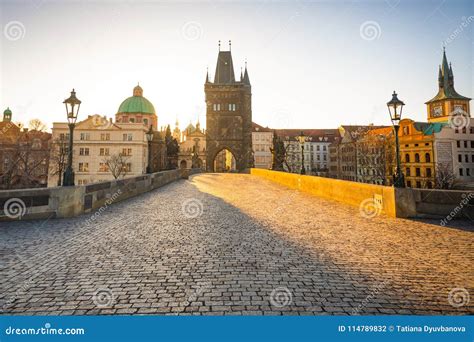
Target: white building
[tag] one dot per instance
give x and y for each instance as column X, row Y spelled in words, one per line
column 316, row 149
column 454, row 148
column 262, row 143
column 96, row 140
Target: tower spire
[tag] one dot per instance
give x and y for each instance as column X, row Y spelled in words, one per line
column 219, row 45
column 246, row 75
column 207, row 74
column 230, row 45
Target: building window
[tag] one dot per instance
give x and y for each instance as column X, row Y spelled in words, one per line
column 126, row 151
column 104, row 151
column 466, row 158
column 407, row 171
column 460, row 172
column 468, row 172
column 428, row 172
column 85, row 136
column 418, row 184
column 407, row 158
column 128, row 167
column 127, row 137
column 83, row 167
column 409, row 184
column 105, row 136
column 103, row 167
column 132, row 120
column 465, row 143
column 84, row 151
column 458, row 143
column 427, row 157
column 145, row 122
column 429, row 185
column 418, row 172
column 417, row 158
column 460, row 158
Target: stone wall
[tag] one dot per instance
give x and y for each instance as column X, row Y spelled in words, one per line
column 406, row 203
column 444, row 204
column 60, row 202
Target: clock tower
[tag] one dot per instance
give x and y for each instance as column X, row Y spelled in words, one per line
column 447, row 102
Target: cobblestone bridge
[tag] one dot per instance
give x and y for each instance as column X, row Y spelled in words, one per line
column 234, row 244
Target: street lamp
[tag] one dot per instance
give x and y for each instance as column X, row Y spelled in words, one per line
column 149, row 138
column 302, row 139
column 72, row 110
column 395, row 107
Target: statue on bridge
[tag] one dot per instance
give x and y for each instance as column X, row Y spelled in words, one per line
column 278, row 153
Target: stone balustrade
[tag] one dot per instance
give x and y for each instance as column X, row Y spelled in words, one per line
column 61, row 202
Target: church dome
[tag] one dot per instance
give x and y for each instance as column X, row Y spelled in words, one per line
column 7, row 111
column 137, row 103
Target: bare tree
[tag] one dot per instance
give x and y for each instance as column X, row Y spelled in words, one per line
column 444, row 176
column 117, row 165
column 58, row 158
column 36, row 125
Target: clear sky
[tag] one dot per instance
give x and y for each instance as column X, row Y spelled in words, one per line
column 314, row 64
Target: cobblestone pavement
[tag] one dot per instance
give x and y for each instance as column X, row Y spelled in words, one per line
column 234, row 244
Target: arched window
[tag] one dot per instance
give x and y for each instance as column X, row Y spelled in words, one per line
column 417, row 158
column 427, row 157
column 407, row 158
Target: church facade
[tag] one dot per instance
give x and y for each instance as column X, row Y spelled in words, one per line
column 228, row 114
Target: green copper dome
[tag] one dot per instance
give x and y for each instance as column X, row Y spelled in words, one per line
column 7, row 111
column 137, row 103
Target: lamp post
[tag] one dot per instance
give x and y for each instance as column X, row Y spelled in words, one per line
column 395, row 107
column 149, row 139
column 72, row 110
column 302, row 139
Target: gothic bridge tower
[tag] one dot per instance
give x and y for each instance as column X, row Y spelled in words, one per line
column 228, row 114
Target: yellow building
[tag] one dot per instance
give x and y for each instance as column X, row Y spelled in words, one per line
column 417, row 154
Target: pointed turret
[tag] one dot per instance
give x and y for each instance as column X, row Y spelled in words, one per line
column 450, row 76
column 440, row 77
column 246, row 76
column 207, row 75
column 446, row 83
